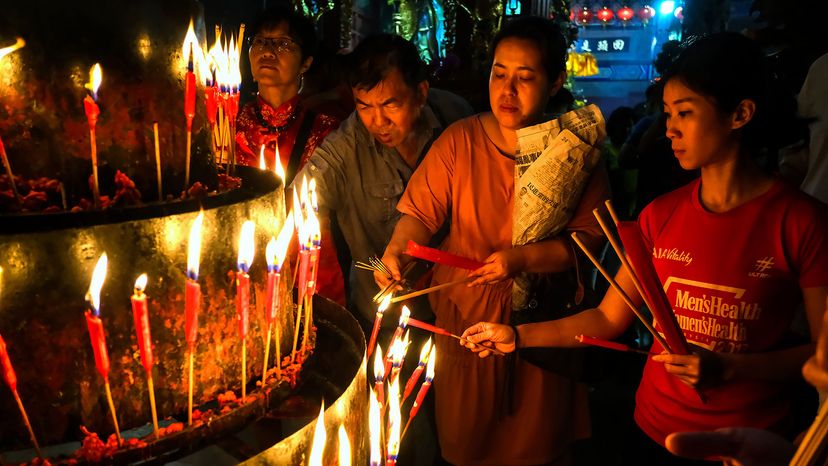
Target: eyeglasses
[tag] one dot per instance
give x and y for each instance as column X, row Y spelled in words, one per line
column 277, row 44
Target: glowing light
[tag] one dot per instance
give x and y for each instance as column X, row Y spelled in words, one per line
column 383, row 305
column 379, row 367
column 404, row 316
column 394, row 419
column 426, row 351
column 277, row 165
column 194, row 247
column 141, row 283
column 93, row 296
column 277, row 248
column 95, row 78
column 246, row 246
column 262, row 164
column 344, row 447
column 432, row 358
column 374, row 428
column 667, row 7
column 19, row 43
column 319, row 438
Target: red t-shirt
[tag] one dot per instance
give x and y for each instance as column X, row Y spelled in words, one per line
column 734, row 281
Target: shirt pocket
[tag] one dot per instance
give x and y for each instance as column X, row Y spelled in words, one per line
column 383, row 199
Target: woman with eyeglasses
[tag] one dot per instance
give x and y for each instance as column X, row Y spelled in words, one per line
column 282, row 44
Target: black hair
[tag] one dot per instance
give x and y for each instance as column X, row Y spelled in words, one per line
column 729, row 68
column 379, row 54
column 300, row 28
column 547, row 36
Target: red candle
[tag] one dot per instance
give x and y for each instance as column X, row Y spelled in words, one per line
column 423, row 388
column 96, row 336
column 243, row 302
column 93, row 321
column 192, row 295
column 304, row 269
column 415, row 376
column 379, row 376
column 92, row 111
column 8, row 370
column 378, row 322
column 140, row 316
column 272, row 302
column 441, row 257
column 429, row 328
column 211, row 102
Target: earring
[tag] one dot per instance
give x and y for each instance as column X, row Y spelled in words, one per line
column 301, row 83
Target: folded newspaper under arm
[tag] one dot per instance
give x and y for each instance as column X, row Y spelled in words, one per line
column 553, row 165
column 641, row 261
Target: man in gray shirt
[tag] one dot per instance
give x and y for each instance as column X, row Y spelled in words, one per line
column 362, row 168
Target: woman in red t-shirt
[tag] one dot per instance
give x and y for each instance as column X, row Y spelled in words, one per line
column 737, row 251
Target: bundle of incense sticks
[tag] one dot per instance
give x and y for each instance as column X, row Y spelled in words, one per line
column 374, row 265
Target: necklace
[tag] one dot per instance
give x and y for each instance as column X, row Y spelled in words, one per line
column 276, row 129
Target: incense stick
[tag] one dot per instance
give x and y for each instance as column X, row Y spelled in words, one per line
column 9, row 173
column 151, row 390
column 808, row 453
column 441, row 331
column 429, row 290
column 157, row 160
column 28, row 424
column 112, row 410
column 624, row 261
column 620, row 292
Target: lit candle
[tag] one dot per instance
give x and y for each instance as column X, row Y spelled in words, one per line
column 375, row 429
column 423, row 388
column 344, row 447
column 96, row 333
column 140, row 315
column 11, row 380
column 379, row 376
column 405, row 314
column 188, row 50
column 262, row 163
column 277, row 167
column 378, row 322
column 399, row 357
column 246, row 251
column 90, row 106
column 319, row 439
column 415, row 376
column 394, row 421
column 192, row 301
column 275, row 255
column 313, row 246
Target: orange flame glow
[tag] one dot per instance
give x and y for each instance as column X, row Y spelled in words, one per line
column 394, row 419
column 319, row 438
column 93, row 296
column 344, row 447
column 379, row 366
column 95, row 78
column 18, row 44
column 262, row 164
column 246, row 245
column 374, row 427
column 141, row 283
column 194, row 246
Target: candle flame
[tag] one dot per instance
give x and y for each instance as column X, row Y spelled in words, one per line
column 277, row 165
column 344, row 447
column 312, row 194
column 95, row 78
column 283, row 242
column 319, row 438
column 404, row 316
column 93, row 296
column 426, row 351
column 432, row 358
column 297, row 215
column 270, row 253
column 379, row 367
column 19, row 43
column 313, row 230
column 262, row 164
column 246, row 246
column 194, row 247
column 394, row 419
column 303, row 192
column 374, row 427
column 383, row 305
column 141, row 283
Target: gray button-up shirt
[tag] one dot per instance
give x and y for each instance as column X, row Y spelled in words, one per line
column 361, row 181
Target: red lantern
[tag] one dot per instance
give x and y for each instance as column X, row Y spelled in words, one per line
column 605, row 15
column 625, row 14
column 646, row 13
column 584, row 16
